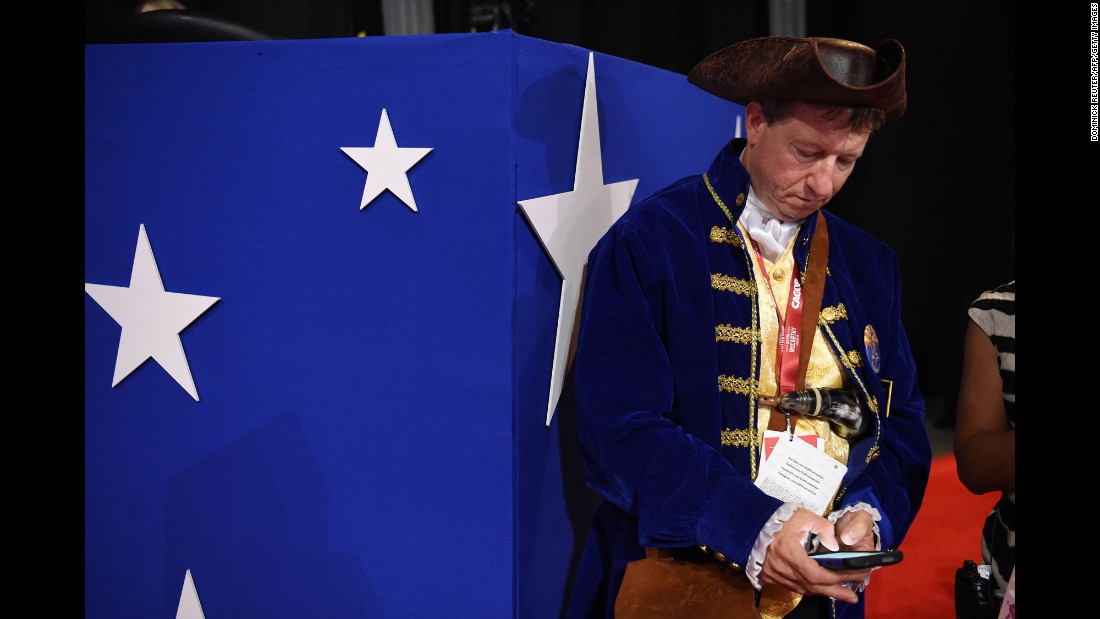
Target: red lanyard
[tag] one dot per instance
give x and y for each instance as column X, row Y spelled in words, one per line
column 789, row 340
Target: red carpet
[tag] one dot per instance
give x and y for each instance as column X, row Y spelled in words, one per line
column 946, row 531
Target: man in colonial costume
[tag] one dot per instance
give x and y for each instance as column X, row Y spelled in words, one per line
column 709, row 305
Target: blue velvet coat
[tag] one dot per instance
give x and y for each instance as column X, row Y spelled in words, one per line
column 666, row 412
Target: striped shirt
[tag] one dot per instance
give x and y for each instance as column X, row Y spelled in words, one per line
column 994, row 312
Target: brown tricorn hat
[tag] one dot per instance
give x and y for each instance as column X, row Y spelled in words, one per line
column 813, row 70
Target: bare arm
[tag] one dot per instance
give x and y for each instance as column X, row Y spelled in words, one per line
column 985, row 443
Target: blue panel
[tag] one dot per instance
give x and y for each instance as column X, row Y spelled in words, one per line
column 654, row 127
column 351, row 452
column 370, row 438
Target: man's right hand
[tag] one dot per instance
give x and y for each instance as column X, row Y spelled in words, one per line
column 787, row 564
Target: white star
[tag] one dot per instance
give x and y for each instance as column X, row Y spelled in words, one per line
column 189, row 606
column 387, row 165
column 151, row 318
column 569, row 224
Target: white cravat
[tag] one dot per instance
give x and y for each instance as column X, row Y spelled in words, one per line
column 770, row 233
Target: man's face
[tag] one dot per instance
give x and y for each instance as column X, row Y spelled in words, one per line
column 799, row 163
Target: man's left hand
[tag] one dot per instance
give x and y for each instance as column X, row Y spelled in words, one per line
column 855, row 531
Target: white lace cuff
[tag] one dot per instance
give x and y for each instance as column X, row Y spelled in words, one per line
column 875, row 516
column 760, row 548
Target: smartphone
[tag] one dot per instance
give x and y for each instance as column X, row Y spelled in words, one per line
column 854, row 560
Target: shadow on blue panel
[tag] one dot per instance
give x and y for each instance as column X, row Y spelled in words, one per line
column 581, row 502
column 559, row 95
column 251, row 523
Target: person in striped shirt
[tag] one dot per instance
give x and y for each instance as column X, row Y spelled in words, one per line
column 985, row 430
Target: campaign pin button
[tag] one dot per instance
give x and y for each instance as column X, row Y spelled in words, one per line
column 870, row 344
